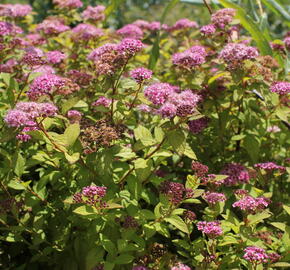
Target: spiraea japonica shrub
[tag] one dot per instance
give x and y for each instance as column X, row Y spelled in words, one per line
column 152, row 146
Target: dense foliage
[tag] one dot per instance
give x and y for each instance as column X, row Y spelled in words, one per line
column 152, row 146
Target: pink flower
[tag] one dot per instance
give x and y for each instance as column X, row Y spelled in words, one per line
column 287, row 42
column 144, row 108
column 130, row 31
column 273, row 129
column 128, row 47
column 7, row 29
column 252, row 205
column 180, row 266
column 214, row 197
column 68, row 3
column 223, row 17
column 103, row 101
column 196, row 126
column 211, row 228
column 33, row 56
column 52, row 26
column 174, row 191
column 94, row 13
column 183, row 24
column 141, row 74
column 255, row 255
column 158, row 93
column 237, row 174
column 16, row 118
column 55, row 57
column 281, row 88
column 167, row 110
column 74, row 115
column 96, row 54
column 270, row 166
column 85, row 31
column 208, row 29
column 14, row 11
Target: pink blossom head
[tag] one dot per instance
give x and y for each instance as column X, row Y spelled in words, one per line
column 16, row 118
column 211, row 228
column 252, row 205
column 94, row 13
column 140, row 267
column 273, row 129
column 55, row 57
column 9, row 29
column 35, row 39
column 52, row 26
column 198, row 125
column 43, row 69
column 255, row 255
column 287, row 42
column 214, row 197
column 144, row 108
column 102, row 101
column 270, row 166
column 158, row 93
column 208, row 30
column 70, row 4
column 167, row 110
column 183, row 24
column 130, row 31
column 86, row 31
column 174, row 191
column 237, row 174
column 129, row 47
column 281, row 88
column 180, row 266
column 74, row 115
column 33, row 56
column 15, row 11
column 97, row 53
column 223, row 17
column 141, row 74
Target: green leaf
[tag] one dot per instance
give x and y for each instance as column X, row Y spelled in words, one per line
column 287, row 209
column 258, row 217
column 144, row 135
column 280, row 264
column 124, row 259
column 113, row 7
column 19, row 164
column 252, row 145
column 178, row 223
column 281, row 226
column 85, row 210
column 250, row 26
column 72, row 158
column 278, row 9
column 68, row 104
column 72, row 133
column 177, row 140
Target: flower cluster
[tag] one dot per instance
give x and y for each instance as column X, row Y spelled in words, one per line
column 74, row 116
column 237, row 174
column 234, row 53
column 196, row 126
column 68, row 3
column 270, row 166
column 191, row 58
column 256, row 255
column 211, row 228
column 149, row 26
column 91, row 195
column 25, row 113
column 281, row 88
column 223, row 17
column 183, row 24
column 200, row 169
column 141, row 74
column 102, row 101
column 252, row 205
column 9, row 29
column 174, row 191
column 14, row 11
column 94, row 13
column 52, row 26
column 273, row 129
column 208, row 30
column 130, row 31
column 84, row 31
column 214, row 197
column 55, row 57
column 180, row 266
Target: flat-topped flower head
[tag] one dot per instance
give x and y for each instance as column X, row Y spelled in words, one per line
column 74, row 116
column 252, row 205
column 214, row 197
column 140, row 267
column 94, row 13
column 70, row 4
column 9, row 29
column 167, row 110
column 183, row 24
column 180, row 266
column 15, row 11
column 158, row 93
column 237, row 174
column 270, row 166
column 129, row 47
column 255, row 255
column 174, row 191
column 84, row 31
column 102, row 101
column 223, row 17
column 55, row 57
column 211, row 228
column 141, row 74
column 52, row 26
column 281, row 88
column 208, row 30
column 198, row 125
column 33, row 56
column 130, row 31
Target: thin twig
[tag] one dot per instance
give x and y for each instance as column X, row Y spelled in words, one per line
column 208, row 6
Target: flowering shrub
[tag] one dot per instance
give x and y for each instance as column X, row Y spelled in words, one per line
column 115, row 158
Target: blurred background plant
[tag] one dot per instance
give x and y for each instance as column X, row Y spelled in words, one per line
column 272, row 16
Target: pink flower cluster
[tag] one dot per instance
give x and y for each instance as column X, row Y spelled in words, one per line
column 7, row 29
column 94, row 13
column 255, row 255
column 23, row 136
column 55, row 57
column 195, row 56
column 141, row 74
column 214, row 197
column 196, row 126
column 211, row 228
column 183, row 24
column 102, row 101
column 234, row 53
column 237, row 174
column 172, row 103
column 84, row 31
column 25, row 113
column 200, row 169
column 79, row 77
column 252, row 205
column 74, row 116
column 52, row 26
column 149, row 26
column 180, row 266
column 91, row 195
column 33, row 56
column 174, row 191
column 130, row 31
column 223, row 17
column 270, row 166
column 139, row 268
column 129, row 47
column 273, row 129
column 68, row 3
column 287, row 42
column 14, row 11
column 208, row 30
column 281, row 88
